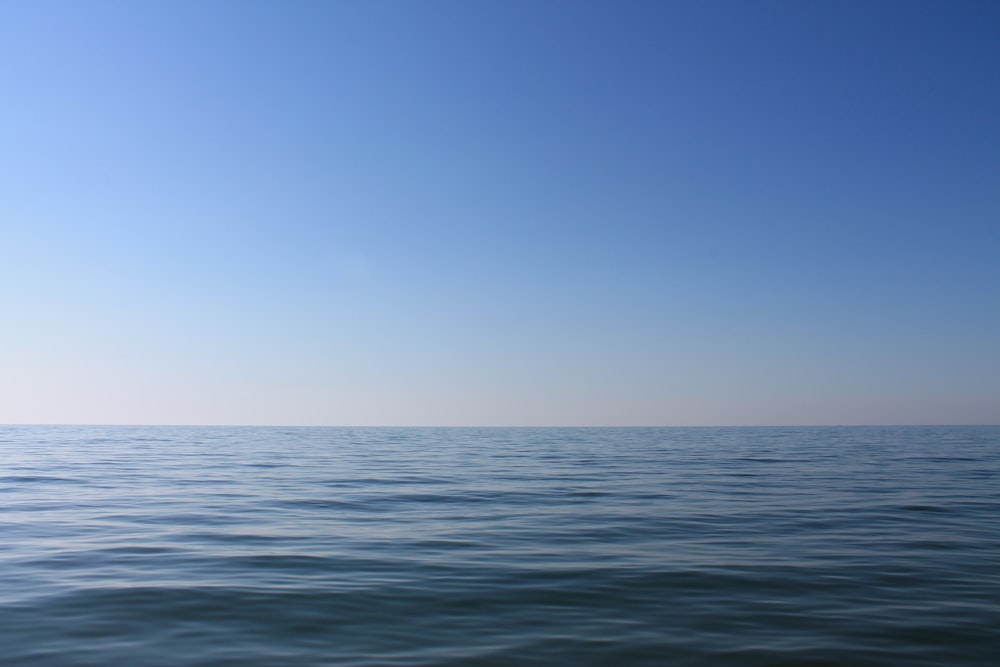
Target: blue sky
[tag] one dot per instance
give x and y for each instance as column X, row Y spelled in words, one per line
column 492, row 213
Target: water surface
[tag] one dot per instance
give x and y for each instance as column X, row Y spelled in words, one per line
column 183, row 546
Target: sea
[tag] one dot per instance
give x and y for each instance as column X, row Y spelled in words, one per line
column 404, row 547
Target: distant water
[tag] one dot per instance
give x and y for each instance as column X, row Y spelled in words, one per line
column 146, row 546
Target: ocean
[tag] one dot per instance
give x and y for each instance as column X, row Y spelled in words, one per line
column 254, row 546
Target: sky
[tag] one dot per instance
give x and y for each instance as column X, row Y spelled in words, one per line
column 518, row 212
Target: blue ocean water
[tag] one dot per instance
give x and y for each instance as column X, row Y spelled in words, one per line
column 181, row 546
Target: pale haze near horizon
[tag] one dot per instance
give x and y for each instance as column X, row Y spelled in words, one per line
column 477, row 213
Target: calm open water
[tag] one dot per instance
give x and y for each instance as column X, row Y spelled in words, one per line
column 181, row 546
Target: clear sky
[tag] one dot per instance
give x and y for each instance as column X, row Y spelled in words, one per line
column 486, row 212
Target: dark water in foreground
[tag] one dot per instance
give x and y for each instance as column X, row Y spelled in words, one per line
column 310, row 546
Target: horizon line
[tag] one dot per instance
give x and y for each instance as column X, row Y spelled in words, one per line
column 501, row 426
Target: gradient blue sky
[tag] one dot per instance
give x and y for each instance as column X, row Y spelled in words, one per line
column 491, row 213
